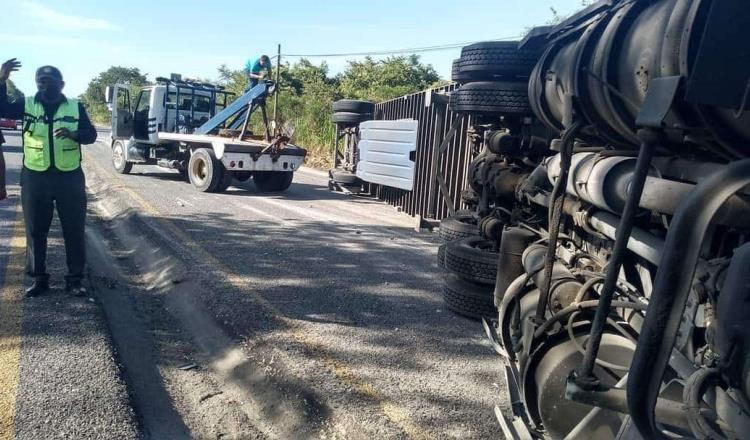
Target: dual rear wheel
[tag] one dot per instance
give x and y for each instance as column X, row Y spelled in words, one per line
column 207, row 174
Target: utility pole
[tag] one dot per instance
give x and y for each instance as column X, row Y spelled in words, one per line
column 276, row 92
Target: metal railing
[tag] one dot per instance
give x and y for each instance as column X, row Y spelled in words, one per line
column 434, row 166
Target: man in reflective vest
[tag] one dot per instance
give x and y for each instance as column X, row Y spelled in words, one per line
column 54, row 128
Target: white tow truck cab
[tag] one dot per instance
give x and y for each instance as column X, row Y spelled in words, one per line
column 198, row 129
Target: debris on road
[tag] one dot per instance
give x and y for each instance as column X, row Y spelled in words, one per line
column 209, row 395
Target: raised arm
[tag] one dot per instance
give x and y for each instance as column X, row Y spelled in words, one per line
column 12, row 110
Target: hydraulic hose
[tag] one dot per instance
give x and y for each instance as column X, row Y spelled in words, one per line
column 649, row 142
column 558, row 198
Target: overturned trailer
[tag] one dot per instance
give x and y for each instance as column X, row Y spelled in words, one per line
column 622, row 242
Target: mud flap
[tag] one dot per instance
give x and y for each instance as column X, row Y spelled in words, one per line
column 512, row 420
column 514, row 429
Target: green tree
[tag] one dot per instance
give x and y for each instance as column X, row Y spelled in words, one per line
column 386, row 79
column 304, row 73
column 307, row 93
column 13, row 93
column 306, row 97
column 93, row 97
column 235, row 81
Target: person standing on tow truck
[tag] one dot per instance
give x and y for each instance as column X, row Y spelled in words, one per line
column 257, row 69
column 54, row 128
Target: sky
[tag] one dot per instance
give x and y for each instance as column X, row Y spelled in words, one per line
column 85, row 37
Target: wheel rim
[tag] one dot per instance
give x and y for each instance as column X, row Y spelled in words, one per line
column 117, row 156
column 199, row 171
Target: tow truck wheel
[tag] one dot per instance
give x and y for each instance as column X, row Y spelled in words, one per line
column 204, row 170
column 273, row 181
column 121, row 165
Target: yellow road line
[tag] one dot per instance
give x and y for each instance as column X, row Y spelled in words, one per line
column 395, row 413
column 11, row 313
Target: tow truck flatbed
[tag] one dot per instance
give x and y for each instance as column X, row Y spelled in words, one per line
column 182, row 125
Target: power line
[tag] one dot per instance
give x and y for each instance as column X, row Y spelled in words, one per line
column 394, row 51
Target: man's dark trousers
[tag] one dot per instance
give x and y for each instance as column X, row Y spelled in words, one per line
column 40, row 193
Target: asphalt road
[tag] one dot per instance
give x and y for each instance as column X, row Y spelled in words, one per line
column 350, row 300
column 307, row 314
column 58, row 373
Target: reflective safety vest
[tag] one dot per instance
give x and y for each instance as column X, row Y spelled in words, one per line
column 36, row 136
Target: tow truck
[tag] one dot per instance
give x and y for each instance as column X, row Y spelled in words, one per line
column 195, row 128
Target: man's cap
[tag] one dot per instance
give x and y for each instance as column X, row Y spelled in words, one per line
column 48, row 72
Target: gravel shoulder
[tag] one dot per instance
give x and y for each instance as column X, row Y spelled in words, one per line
column 67, row 382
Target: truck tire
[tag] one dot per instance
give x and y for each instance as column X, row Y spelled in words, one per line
column 492, row 59
column 468, row 299
column 461, row 225
column 457, row 75
column 353, row 106
column 455, row 69
column 121, row 165
column 273, row 181
column 491, row 97
column 473, row 259
column 441, row 256
column 344, row 177
column 351, row 118
column 204, row 170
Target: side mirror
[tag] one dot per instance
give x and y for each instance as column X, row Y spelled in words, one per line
column 108, row 92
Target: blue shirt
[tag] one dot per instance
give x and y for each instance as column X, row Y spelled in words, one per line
column 253, row 66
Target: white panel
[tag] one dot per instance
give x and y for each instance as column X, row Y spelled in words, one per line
column 385, row 151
